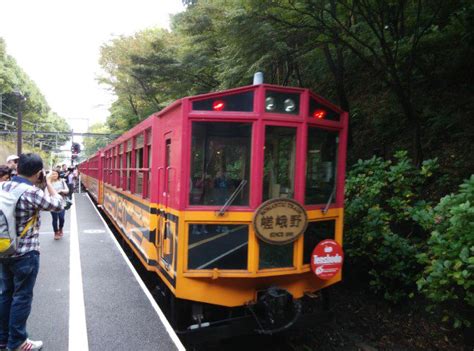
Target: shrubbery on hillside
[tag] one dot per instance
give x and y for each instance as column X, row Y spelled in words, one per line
column 448, row 277
column 387, row 239
column 384, row 217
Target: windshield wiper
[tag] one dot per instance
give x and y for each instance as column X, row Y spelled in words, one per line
column 231, row 198
column 325, row 210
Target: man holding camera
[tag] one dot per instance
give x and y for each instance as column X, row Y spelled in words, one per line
column 18, row 272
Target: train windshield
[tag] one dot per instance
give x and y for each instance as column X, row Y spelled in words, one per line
column 220, row 162
column 279, row 167
column 321, row 166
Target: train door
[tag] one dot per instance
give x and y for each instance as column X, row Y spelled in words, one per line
column 167, row 225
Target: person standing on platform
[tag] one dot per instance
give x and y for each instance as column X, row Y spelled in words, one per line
column 58, row 216
column 5, row 173
column 70, row 181
column 12, row 163
column 18, row 272
column 63, row 171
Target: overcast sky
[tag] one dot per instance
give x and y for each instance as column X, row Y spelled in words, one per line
column 56, row 42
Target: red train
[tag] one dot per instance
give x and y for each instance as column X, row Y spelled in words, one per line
column 224, row 197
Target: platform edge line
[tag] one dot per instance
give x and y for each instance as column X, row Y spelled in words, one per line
column 78, row 339
column 157, row 308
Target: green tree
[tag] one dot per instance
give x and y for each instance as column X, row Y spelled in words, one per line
column 387, row 37
column 93, row 144
column 137, row 69
column 37, row 115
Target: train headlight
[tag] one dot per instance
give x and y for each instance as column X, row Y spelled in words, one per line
column 289, row 105
column 270, row 104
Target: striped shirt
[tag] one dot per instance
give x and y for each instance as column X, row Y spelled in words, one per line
column 31, row 202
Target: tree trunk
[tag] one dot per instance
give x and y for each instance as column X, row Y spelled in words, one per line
column 414, row 121
column 132, row 105
column 337, row 68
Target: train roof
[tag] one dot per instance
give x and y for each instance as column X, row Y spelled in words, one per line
column 145, row 124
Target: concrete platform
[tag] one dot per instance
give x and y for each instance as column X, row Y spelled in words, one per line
column 88, row 296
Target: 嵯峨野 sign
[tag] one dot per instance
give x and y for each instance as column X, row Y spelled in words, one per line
column 327, row 259
column 280, row 221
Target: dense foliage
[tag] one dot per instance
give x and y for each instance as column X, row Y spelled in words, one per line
column 388, row 242
column 92, row 144
column 448, row 278
column 384, row 213
column 37, row 115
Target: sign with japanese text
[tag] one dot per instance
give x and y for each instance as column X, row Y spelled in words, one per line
column 327, row 259
column 280, row 221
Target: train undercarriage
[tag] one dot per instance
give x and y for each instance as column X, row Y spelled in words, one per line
column 274, row 312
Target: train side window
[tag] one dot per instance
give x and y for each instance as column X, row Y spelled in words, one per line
column 116, row 167
column 122, row 165
column 139, row 153
column 147, row 164
column 220, row 165
column 316, row 232
column 279, row 164
column 107, row 168
column 128, row 165
column 168, row 165
column 321, row 160
column 109, row 171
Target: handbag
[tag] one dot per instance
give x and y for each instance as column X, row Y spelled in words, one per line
column 67, row 201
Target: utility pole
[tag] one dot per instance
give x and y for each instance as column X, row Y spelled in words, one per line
column 19, row 122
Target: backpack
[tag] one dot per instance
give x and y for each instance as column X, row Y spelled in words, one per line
column 8, row 236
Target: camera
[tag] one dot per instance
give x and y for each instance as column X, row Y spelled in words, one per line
column 41, row 183
column 41, row 177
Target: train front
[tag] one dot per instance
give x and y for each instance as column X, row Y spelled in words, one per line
column 266, row 183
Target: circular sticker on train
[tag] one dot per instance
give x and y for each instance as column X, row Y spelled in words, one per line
column 280, row 221
column 327, row 259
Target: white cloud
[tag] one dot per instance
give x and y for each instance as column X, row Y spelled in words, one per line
column 57, row 43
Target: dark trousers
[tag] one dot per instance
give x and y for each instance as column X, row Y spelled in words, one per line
column 17, row 280
column 71, row 190
column 58, row 220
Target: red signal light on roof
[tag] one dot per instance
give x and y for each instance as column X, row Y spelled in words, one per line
column 218, row 105
column 319, row 114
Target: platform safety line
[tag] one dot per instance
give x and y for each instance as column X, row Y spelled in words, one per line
column 78, row 340
column 153, row 303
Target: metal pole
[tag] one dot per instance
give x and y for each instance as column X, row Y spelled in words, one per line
column 19, row 125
